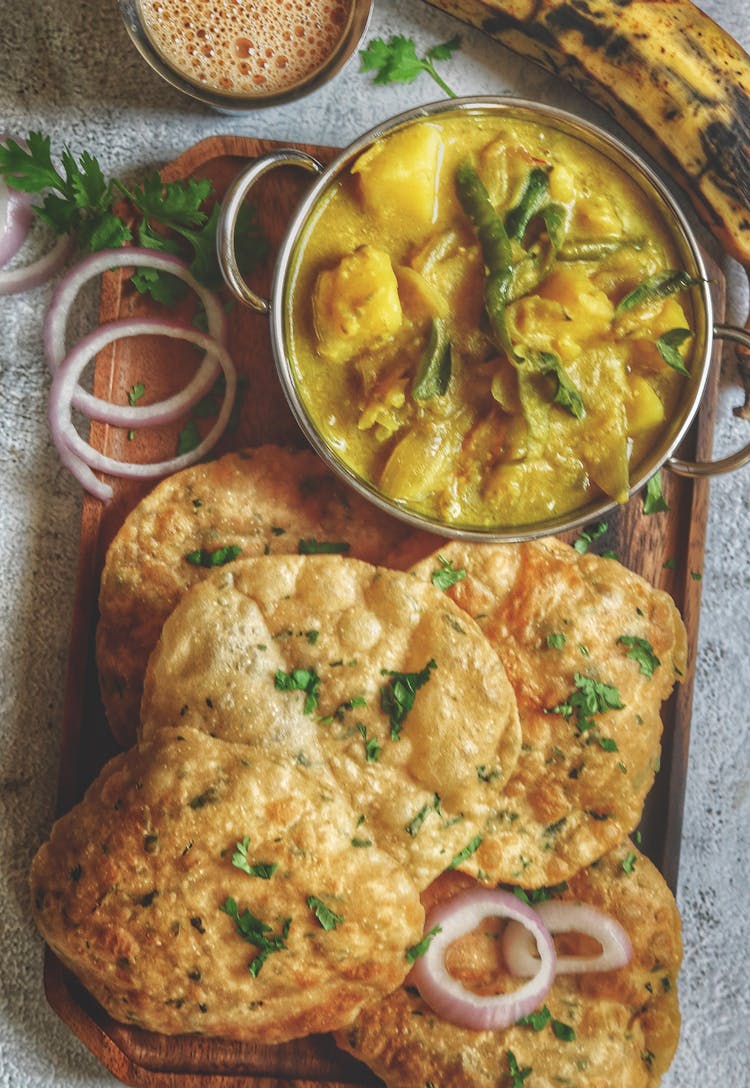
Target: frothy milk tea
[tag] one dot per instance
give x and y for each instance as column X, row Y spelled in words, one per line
column 245, row 47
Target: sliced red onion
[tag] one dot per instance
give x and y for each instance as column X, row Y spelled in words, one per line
column 120, row 415
column 15, row 280
column 562, row 916
column 446, row 995
column 64, row 434
column 16, row 216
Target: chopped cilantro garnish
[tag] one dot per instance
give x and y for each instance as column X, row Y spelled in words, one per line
column 397, row 696
column 640, row 650
column 372, row 745
column 306, row 680
column 201, row 557
column 556, row 640
column 590, row 697
column 653, row 500
column 538, row 1020
column 696, row 575
column 517, row 1075
column 416, row 950
column 262, row 869
column 327, row 917
column 471, row 848
column 446, row 575
column 414, row 824
column 588, row 536
column 311, row 546
column 628, row 862
column 256, row 932
column 135, row 393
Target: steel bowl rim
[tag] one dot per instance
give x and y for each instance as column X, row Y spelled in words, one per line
column 593, row 135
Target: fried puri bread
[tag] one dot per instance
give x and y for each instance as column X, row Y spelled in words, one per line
column 202, row 886
column 578, row 635
column 383, row 673
column 625, row 1022
column 251, row 503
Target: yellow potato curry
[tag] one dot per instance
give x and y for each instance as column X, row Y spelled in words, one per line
column 488, row 320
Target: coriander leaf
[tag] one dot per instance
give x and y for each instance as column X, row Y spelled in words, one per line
column 565, row 1032
column 536, row 1020
column 588, row 536
column 397, row 696
column 446, row 574
column 517, row 1075
column 396, row 60
column 306, row 680
column 654, row 501
column 628, row 862
column 668, row 346
column 414, row 952
column 590, row 697
column 135, row 393
column 262, row 869
column 219, row 557
column 372, row 745
column 311, row 546
column 256, row 932
column 640, row 650
column 471, row 848
column 174, row 204
column 556, row 640
column 327, row 917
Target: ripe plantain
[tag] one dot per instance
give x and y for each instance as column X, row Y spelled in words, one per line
column 673, row 78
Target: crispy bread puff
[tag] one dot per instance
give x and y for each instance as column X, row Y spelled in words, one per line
column 382, row 673
column 249, row 503
column 625, row 1022
column 578, row 635
column 203, row 886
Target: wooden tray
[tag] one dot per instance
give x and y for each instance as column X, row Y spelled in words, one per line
column 643, row 543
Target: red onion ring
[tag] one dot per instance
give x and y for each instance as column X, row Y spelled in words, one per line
column 15, row 221
column 77, row 454
column 447, row 996
column 55, row 322
column 561, row 916
column 15, row 280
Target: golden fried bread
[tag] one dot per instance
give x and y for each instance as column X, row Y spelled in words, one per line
column 250, row 503
column 348, row 640
column 625, row 1022
column 577, row 634
column 204, row 886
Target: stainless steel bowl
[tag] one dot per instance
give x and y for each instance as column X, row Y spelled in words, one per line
column 277, row 307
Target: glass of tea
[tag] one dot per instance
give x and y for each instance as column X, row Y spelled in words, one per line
column 240, row 55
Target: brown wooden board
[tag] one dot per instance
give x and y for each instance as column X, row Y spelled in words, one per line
column 643, row 543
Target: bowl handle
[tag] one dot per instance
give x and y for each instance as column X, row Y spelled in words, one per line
column 733, row 460
column 230, row 207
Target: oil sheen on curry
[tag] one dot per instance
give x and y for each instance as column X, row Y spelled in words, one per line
column 488, row 321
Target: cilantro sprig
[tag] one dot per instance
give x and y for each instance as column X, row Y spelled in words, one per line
column 396, row 60
column 169, row 217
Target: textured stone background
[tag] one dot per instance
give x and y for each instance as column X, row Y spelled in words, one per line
column 67, row 68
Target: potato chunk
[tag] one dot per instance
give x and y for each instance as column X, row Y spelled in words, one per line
column 356, row 304
column 399, row 176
